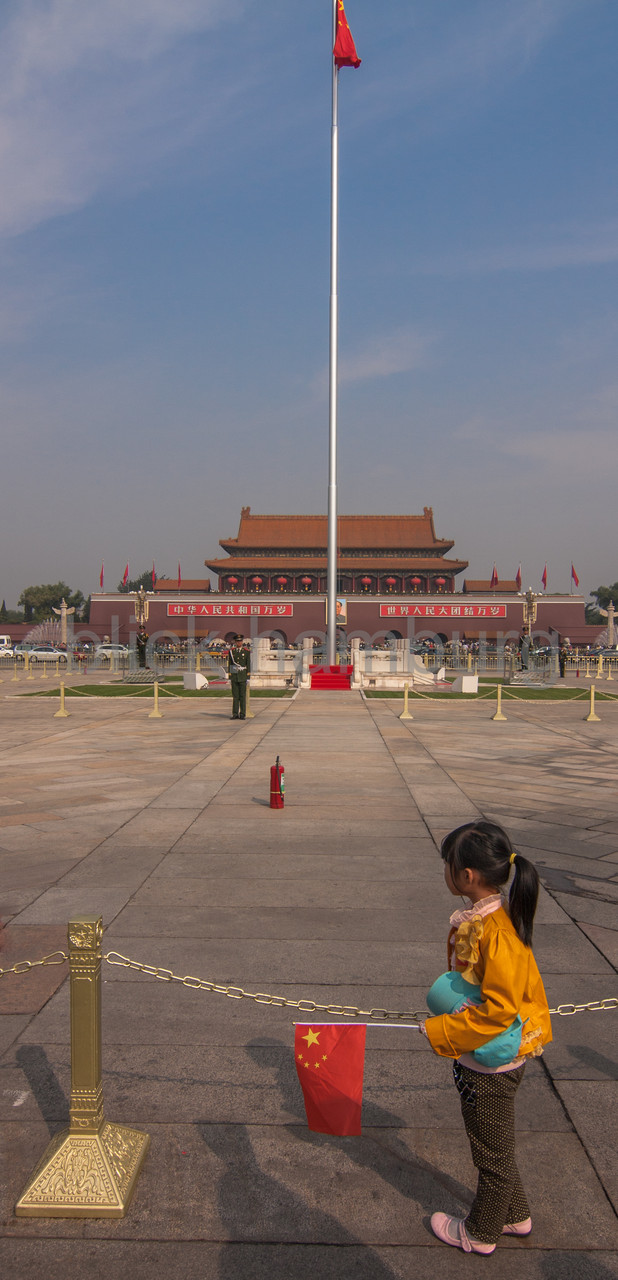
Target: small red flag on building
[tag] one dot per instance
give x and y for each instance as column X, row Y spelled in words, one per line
column 330, row 1061
column 154, row 576
column 179, row 579
column 518, row 578
column 125, row 576
column 574, row 576
column 494, row 578
column 345, row 50
column 544, row 578
column 101, row 576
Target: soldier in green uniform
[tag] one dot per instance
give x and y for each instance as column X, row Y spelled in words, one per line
column 239, row 668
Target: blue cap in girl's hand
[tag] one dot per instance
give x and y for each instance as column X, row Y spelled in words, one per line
column 450, row 993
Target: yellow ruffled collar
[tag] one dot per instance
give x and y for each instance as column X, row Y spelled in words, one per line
column 482, row 908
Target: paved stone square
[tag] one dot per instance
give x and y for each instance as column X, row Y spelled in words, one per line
column 163, row 827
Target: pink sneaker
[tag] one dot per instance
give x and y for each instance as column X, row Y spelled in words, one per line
column 453, row 1231
column 518, row 1228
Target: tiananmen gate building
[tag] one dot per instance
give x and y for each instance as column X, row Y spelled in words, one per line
column 395, row 578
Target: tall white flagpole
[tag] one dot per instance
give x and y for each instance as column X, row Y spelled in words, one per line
column 331, row 594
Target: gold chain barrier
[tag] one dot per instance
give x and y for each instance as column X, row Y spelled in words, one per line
column 24, row 966
column 280, row 1002
column 312, row 1006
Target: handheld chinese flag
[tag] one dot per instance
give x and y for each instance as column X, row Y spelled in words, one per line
column 101, row 576
column 518, row 578
column 345, row 50
column 574, row 576
column 494, row 578
column 330, row 1061
column 125, row 576
column 544, row 578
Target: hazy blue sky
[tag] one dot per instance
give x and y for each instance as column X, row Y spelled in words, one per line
column 164, row 223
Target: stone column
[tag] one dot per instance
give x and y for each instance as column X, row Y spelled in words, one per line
column 307, row 659
column 358, row 662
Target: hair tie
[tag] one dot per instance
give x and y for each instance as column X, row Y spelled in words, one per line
column 512, row 857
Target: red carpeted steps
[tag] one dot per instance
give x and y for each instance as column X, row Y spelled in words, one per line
column 330, row 677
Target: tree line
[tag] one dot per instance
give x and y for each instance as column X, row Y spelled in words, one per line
column 36, row 604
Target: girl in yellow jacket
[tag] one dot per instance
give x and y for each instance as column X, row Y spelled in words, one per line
column 489, row 955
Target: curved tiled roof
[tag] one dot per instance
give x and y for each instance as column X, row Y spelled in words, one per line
column 288, row 532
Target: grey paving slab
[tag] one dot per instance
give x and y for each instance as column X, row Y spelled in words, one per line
column 593, row 1108
column 198, row 1260
column 58, row 905
column 295, row 924
column 321, row 892
column 597, row 867
column 605, row 940
column 297, row 858
column 589, row 910
column 258, row 1183
column 11, row 1026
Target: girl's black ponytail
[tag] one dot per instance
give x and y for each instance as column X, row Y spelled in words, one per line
column 485, row 847
column 523, row 897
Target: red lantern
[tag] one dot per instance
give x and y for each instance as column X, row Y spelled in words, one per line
column 416, row 582
column 440, row 583
column 233, row 582
column 365, row 582
column 257, row 581
column 281, row 582
column 391, row 582
column 306, row 583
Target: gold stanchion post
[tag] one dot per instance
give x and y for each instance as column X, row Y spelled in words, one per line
column 405, row 715
column 155, row 714
column 499, row 715
column 90, row 1169
column 249, row 714
column 62, row 712
column 29, row 671
column 592, row 715
column 15, row 675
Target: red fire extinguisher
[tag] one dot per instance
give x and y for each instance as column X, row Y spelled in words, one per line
column 277, row 785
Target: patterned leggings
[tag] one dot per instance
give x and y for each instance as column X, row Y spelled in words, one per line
column 488, row 1110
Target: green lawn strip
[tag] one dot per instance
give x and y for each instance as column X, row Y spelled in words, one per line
column 521, row 693
column 147, row 691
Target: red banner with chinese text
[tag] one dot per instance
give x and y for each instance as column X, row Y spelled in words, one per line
column 443, row 611
column 186, row 610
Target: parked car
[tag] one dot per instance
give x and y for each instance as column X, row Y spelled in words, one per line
column 21, row 649
column 110, row 650
column 6, row 651
column 47, row 653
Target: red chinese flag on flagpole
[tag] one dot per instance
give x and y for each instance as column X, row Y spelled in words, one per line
column 544, row 578
column 494, row 577
column 125, row 576
column 179, row 575
column 101, row 576
column 330, row 1061
column 574, row 576
column 518, row 578
column 345, row 50
column 154, row 576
